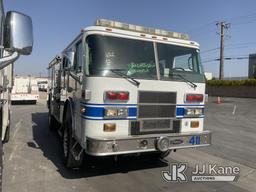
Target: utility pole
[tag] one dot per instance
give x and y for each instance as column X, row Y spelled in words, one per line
column 223, row 25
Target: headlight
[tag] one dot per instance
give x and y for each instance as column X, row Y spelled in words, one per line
column 199, row 111
column 194, row 112
column 122, row 112
column 116, row 112
column 110, row 112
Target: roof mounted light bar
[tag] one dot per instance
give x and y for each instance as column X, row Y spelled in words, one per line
column 140, row 29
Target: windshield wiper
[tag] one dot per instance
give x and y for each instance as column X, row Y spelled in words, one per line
column 193, row 85
column 130, row 79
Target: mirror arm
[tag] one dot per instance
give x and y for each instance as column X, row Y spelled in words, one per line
column 5, row 61
column 75, row 77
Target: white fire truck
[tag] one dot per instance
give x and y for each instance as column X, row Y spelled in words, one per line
column 16, row 39
column 126, row 89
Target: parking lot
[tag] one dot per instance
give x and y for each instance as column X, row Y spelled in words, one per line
column 32, row 160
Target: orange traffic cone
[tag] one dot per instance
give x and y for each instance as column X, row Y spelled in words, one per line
column 218, row 100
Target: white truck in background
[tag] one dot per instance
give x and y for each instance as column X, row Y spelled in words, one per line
column 25, row 89
column 42, row 85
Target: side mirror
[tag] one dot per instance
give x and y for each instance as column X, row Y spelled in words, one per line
column 18, row 33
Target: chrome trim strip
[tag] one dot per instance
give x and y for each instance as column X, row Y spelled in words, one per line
column 142, row 151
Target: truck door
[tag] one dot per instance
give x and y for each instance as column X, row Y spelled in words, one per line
column 78, row 65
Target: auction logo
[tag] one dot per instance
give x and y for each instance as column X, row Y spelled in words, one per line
column 175, row 173
column 205, row 172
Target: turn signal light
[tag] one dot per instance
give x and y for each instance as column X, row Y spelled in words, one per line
column 117, row 95
column 194, row 124
column 109, row 127
column 194, row 98
column 82, row 109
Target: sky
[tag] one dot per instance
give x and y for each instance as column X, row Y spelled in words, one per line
column 57, row 22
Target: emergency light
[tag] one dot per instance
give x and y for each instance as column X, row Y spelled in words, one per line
column 140, row 29
column 194, row 98
column 117, row 95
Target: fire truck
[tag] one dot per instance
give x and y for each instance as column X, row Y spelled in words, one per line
column 119, row 88
column 16, row 38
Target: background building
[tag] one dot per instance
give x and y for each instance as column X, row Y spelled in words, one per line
column 252, row 66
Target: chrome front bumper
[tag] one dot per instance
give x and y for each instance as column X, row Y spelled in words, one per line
column 136, row 144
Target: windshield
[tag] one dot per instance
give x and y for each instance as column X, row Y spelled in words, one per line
column 176, row 61
column 133, row 57
column 136, row 58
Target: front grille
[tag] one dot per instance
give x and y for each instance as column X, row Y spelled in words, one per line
column 152, row 125
column 157, row 97
column 156, row 113
column 141, row 127
column 156, row 104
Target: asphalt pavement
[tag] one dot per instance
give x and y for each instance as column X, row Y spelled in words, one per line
column 32, row 160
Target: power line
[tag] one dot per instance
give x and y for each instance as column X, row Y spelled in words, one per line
column 200, row 33
column 200, row 27
column 210, row 50
column 244, row 22
column 246, row 43
column 226, row 58
column 234, row 19
column 238, row 20
column 226, row 47
column 251, row 15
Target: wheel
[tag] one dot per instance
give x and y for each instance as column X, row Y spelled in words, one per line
column 67, row 143
column 48, row 101
column 52, row 122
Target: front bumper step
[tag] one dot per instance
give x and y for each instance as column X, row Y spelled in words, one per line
column 140, row 144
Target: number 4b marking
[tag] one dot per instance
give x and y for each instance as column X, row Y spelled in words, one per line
column 195, row 140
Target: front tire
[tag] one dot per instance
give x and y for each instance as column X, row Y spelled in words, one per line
column 52, row 122
column 67, row 143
